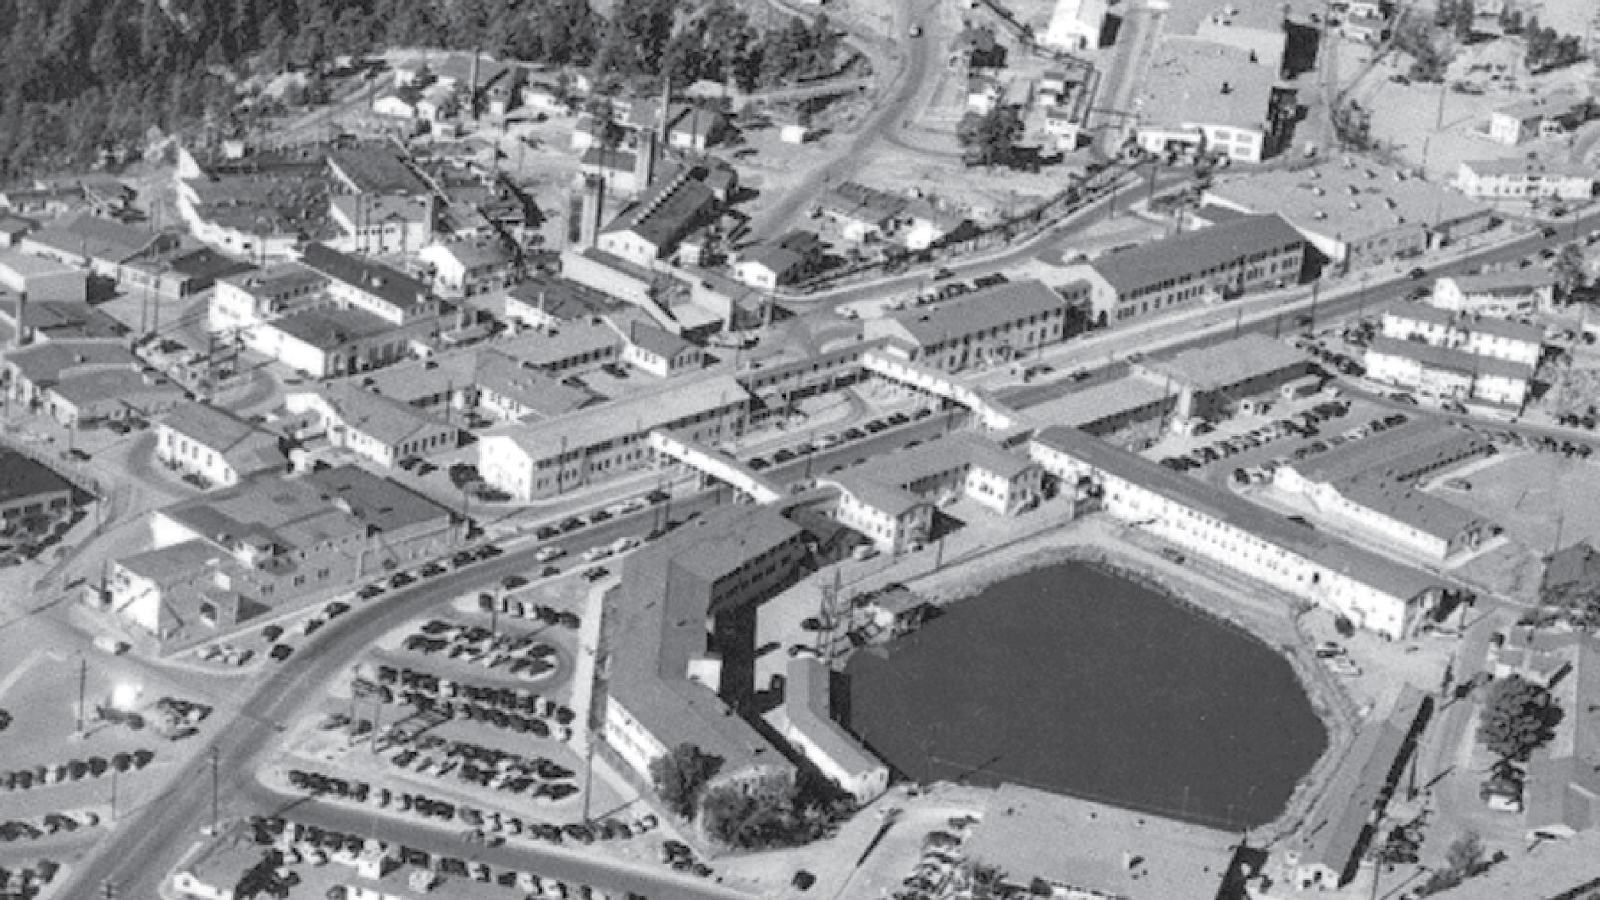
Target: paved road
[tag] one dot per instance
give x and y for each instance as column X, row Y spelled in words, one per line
column 904, row 87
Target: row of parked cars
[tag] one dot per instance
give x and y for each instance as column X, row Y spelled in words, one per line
column 28, row 882
column 581, row 521
column 289, row 835
column 460, row 559
column 834, row 439
column 74, row 770
column 1304, row 424
column 38, row 827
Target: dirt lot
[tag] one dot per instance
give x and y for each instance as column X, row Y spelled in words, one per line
column 1533, row 495
column 1404, row 115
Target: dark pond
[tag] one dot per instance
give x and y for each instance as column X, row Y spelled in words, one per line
column 1074, row 679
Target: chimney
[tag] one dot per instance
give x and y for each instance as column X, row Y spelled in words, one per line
column 666, row 110
column 644, row 166
column 594, row 201
column 472, row 88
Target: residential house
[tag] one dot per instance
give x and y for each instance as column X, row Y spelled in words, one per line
column 214, row 447
column 984, row 93
column 1075, row 25
column 1497, row 338
column 784, row 262
column 862, row 213
column 1221, row 262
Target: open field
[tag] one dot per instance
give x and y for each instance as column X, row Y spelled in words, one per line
column 1536, row 495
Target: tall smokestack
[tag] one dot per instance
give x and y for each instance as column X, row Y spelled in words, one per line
column 472, row 89
column 594, row 201
column 20, row 339
column 644, row 165
column 666, row 110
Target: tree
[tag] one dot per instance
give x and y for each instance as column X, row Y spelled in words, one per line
column 1518, row 716
column 1464, row 859
column 989, row 138
column 1571, row 276
column 680, row 775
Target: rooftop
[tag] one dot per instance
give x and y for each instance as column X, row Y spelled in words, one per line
column 372, row 278
column 376, row 169
column 857, row 201
column 26, row 265
column 164, row 564
column 1231, row 362
column 369, row 209
column 386, row 421
column 807, row 702
column 1332, row 834
column 655, row 340
column 975, row 312
column 662, row 607
column 217, row 429
column 329, row 327
column 424, row 380
column 1348, row 202
column 1360, row 565
column 571, row 339
column 1404, row 453
column 91, row 236
column 1191, row 253
column 1522, row 165
column 277, row 279
column 45, row 363
column 1506, row 281
column 1097, row 848
column 1200, row 82
column 667, row 210
column 677, row 400
column 1450, row 359
column 546, row 396
column 476, row 253
column 60, row 319
column 21, row 477
column 1085, row 408
column 560, row 298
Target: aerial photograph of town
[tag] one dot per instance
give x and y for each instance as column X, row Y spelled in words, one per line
column 784, row 449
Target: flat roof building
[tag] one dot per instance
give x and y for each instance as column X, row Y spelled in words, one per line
column 1201, row 93
column 988, row 326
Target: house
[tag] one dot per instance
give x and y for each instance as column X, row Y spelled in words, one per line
column 1364, row 28
column 1370, row 590
column 923, row 224
column 983, row 94
column 380, row 290
column 384, row 431
column 1539, row 117
column 1525, row 178
column 222, row 560
column 543, row 96
column 890, row 499
column 1496, row 294
column 666, row 679
column 658, row 352
column 533, row 460
column 41, row 278
column 1356, row 214
column 986, row 327
column 697, row 128
column 399, row 103
column 382, row 224
column 1200, row 93
column 1075, row 25
column 786, row 261
column 1327, row 850
column 806, row 721
column 214, row 447
column 471, row 267
column 1374, row 486
column 30, row 488
column 1221, row 262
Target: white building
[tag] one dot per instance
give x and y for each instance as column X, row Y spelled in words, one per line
column 213, row 446
column 1076, row 25
column 371, row 425
column 470, row 267
column 1372, row 591
column 806, row 721
column 1202, row 93
column 1521, row 178
column 383, row 223
column 1487, row 336
column 1496, row 294
column 658, row 352
column 1448, row 373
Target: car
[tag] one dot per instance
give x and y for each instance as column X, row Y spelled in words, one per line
column 941, row 273
column 768, row 647
column 596, row 573
column 489, row 551
column 758, row 463
column 336, row 608
column 899, row 418
column 570, row 524
column 271, row 633
column 400, row 579
column 546, row 532
column 657, row 496
column 546, row 554
column 987, row 281
column 370, row 591
column 463, row 558
column 594, row 553
column 549, row 571
column 1417, row 272
column 922, row 412
column 433, row 570
column 1548, row 231
column 812, row 623
column 828, row 440
column 598, row 515
column 784, row 455
column 876, row 425
column 854, row 434
column 1173, row 555
column 280, row 652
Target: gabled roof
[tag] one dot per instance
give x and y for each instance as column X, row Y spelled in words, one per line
column 655, row 340
column 1450, row 359
column 329, row 328
column 544, row 395
column 972, row 313
column 91, row 236
column 245, row 447
column 1189, row 254
column 22, row 478
column 390, row 285
column 668, row 209
column 807, row 703
column 386, row 421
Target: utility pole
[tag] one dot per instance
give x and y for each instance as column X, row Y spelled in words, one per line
column 216, row 822
column 83, row 678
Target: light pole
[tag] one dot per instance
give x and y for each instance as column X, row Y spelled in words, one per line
column 113, row 793
column 216, row 823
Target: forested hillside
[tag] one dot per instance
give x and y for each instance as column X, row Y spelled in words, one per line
column 82, row 75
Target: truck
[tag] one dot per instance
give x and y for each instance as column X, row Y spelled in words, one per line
column 111, row 645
